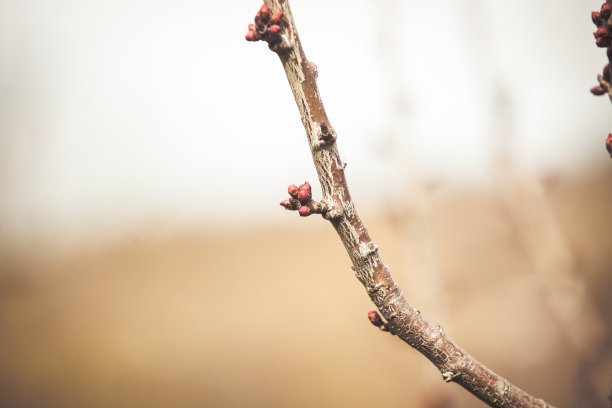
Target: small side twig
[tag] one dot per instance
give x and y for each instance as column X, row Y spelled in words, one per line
column 603, row 39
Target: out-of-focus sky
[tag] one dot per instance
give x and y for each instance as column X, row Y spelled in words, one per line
column 133, row 112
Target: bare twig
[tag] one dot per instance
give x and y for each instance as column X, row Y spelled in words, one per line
column 274, row 24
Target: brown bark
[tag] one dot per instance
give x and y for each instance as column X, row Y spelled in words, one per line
column 404, row 319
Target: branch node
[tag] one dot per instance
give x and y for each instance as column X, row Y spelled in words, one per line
column 333, row 212
column 367, row 248
column 301, row 200
column 313, row 68
column 326, row 136
column 373, row 289
column 449, row 376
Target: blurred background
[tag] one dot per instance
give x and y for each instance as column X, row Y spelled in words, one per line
column 145, row 146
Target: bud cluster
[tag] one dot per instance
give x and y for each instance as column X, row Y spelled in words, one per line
column 268, row 27
column 301, row 200
column 603, row 34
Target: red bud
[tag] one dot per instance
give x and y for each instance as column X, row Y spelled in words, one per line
column 609, row 144
column 275, row 28
column 290, row 204
column 305, row 186
column 251, row 36
column 598, row 90
column 276, row 17
column 305, row 193
column 595, row 18
column 264, row 10
column 602, row 42
column 304, row 211
column 375, row 318
column 606, row 11
column 601, row 32
column 304, row 196
column 293, row 191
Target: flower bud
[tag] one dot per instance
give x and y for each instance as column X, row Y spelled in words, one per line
column 595, row 18
column 305, row 193
column 305, row 186
column 293, row 191
column 304, row 211
column 264, row 12
column 276, row 17
column 598, row 90
column 290, row 204
column 609, row 144
column 602, row 42
column 275, row 28
column 601, row 32
column 606, row 11
column 304, row 196
column 251, row 36
column 375, row 318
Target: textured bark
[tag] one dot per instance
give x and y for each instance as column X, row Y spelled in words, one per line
column 405, row 320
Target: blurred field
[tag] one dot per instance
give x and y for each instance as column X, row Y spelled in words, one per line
column 271, row 316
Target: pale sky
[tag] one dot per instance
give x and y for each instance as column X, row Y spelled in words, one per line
column 116, row 114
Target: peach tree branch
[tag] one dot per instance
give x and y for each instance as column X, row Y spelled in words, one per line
column 603, row 39
column 274, row 24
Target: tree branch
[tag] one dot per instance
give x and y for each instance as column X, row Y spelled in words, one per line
column 603, row 39
column 274, row 24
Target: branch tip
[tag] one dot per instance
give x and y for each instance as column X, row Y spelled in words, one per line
column 270, row 28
